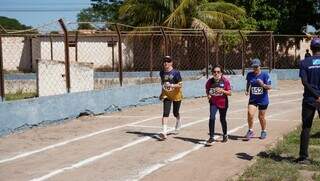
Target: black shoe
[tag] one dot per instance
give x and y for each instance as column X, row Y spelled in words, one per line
column 303, row 161
column 225, row 138
column 210, row 141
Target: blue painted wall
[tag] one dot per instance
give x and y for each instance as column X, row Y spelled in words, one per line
column 18, row 115
column 287, row 74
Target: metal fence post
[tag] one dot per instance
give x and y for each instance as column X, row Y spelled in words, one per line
column 206, row 52
column 31, row 53
column 120, row 54
column 273, row 52
column 112, row 52
column 165, row 41
column 217, row 48
column 151, row 56
column 242, row 53
column 271, row 48
column 51, row 47
column 2, row 93
column 66, row 54
column 76, row 45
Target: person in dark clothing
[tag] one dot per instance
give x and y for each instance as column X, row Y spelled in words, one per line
column 307, row 54
column 310, row 77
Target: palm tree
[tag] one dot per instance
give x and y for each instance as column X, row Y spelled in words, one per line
column 200, row 14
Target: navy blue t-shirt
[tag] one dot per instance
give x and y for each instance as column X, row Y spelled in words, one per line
column 258, row 95
column 310, row 68
column 173, row 76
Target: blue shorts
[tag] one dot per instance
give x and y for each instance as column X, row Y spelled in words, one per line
column 260, row 107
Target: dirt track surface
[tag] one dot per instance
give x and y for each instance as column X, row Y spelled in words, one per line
column 124, row 145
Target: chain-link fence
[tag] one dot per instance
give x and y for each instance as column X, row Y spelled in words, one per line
column 61, row 58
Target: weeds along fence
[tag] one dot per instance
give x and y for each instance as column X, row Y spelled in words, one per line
column 63, row 57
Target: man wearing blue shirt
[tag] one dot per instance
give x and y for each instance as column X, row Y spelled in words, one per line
column 310, row 77
column 258, row 85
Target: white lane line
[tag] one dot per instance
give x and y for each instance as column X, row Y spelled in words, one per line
column 72, row 140
column 94, row 158
column 97, row 157
column 178, row 156
column 122, row 116
column 78, row 138
column 110, row 129
column 84, row 137
column 144, row 126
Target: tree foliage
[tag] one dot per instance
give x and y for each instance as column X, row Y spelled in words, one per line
column 282, row 16
column 12, row 24
column 100, row 11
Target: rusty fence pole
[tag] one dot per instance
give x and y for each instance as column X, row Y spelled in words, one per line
column 217, row 48
column 76, row 45
column 206, row 48
column 66, row 55
column 112, row 53
column 271, row 48
column 2, row 93
column 151, row 56
column 165, row 41
column 120, row 54
column 51, row 47
column 30, row 52
column 242, row 53
column 273, row 52
column 223, row 51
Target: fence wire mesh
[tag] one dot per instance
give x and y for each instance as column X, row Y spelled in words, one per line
column 59, row 58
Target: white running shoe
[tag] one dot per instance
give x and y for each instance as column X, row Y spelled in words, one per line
column 163, row 136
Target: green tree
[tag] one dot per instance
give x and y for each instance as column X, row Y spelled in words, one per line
column 12, row 24
column 182, row 13
column 100, row 11
column 282, row 16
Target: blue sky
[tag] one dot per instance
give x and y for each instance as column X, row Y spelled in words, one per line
column 39, row 12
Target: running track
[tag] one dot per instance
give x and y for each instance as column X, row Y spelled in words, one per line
column 124, row 145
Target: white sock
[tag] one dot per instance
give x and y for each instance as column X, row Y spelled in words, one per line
column 164, row 128
column 178, row 124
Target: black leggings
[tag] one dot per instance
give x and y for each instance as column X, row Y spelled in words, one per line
column 308, row 112
column 167, row 107
column 223, row 114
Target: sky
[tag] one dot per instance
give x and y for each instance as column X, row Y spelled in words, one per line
column 39, row 12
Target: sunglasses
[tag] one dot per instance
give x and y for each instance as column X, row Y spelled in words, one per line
column 216, row 72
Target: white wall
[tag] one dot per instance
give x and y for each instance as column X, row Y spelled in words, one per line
column 52, row 80
column 90, row 49
column 16, row 53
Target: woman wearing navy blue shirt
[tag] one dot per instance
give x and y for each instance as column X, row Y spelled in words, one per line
column 258, row 85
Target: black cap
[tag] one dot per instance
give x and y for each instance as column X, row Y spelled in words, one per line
column 167, row 59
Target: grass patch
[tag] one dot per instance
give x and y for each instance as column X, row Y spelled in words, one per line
column 20, row 95
column 278, row 162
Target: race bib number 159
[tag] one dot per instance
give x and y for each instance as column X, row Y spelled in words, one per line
column 257, row 90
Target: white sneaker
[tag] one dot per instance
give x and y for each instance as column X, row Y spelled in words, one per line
column 163, row 136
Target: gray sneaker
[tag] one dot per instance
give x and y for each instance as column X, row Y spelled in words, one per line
column 263, row 135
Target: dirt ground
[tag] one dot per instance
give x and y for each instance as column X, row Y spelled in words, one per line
column 125, row 145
